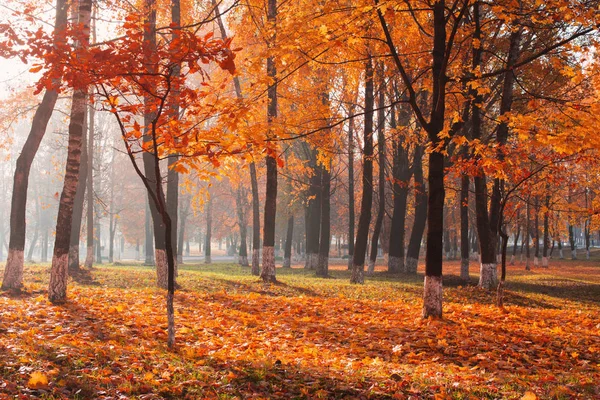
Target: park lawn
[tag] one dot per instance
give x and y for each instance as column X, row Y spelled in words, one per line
column 303, row 338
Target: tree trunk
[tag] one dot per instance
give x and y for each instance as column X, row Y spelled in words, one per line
column 360, row 248
column 351, row 188
column 78, row 209
column 546, row 234
column 432, row 293
column 89, row 254
column 536, row 232
column 208, row 235
column 325, row 231
column 13, row 270
column 381, row 183
column 268, row 265
column 172, row 174
column 57, row 289
column 420, row 220
column 464, row 228
column 243, row 223
column 401, row 173
column 313, row 220
column 149, row 237
column 289, row 237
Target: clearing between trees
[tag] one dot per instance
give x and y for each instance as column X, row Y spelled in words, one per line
column 305, row 337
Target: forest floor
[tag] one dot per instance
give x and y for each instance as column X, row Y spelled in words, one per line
column 303, row 338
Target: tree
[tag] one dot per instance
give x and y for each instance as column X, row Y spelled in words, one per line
column 13, row 272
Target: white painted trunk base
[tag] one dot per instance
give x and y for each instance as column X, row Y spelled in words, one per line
column 13, row 270
column 371, row 268
column 432, row 297
column 512, row 260
column 574, row 254
column 312, row 260
column 59, row 274
column 411, row 265
column 488, row 276
column 162, row 268
column 527, row 266
column 89, row 257
column 545, row 262
column 498, row 258
column 561, row 254
column 268, row 264
column 536, row 262
column 396, row 264
column 358, row 274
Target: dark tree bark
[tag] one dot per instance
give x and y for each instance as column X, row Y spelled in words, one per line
column 546, row 233
column 154, row 177
column 401, row 173
column 420, row 220
column 243, row 224
column 536, row 231
column 57, row 288
column 268, row 265
column 313, row 217
column 464, row 228
column 517, row 235
column 78, row 210
column 172, row 174
column 360, row 248
column 325, row 231
column 289, row 237
column 208, row 234
column 381, row 183
column 351, row 188
column 13, row 271
column 527, row 233
column 89, row 255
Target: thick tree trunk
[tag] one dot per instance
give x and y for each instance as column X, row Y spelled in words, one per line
column 325, row 231
column 420, row 220
column 13, row 270
column 360, row 248
column 78, row 210
column 432, row 294
column 57, row 288
column 268, row 265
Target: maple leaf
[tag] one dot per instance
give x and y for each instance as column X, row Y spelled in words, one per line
column 37, row 380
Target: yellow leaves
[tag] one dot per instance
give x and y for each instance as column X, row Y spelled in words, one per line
column 529, row 396
column 37, row 380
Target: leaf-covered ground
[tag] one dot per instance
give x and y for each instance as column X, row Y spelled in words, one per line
column 304, row 338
